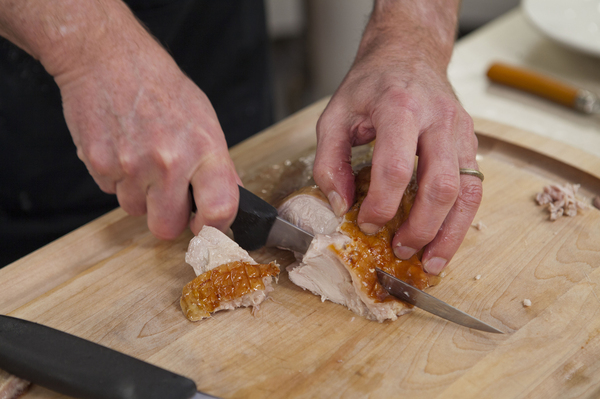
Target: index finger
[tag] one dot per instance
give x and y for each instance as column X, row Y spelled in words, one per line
column 216, row 193
column 392, row 169
column 333, row 169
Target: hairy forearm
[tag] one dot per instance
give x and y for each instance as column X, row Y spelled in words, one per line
column 64, row 33
column 421, row 29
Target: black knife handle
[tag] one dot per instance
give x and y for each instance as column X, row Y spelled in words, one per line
column 253, row 221
column 82, row 369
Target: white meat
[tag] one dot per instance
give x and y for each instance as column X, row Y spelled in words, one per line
column 212, row 248
column 310, row 212
column 254, row 299
column 321, row 270
column 324, row 274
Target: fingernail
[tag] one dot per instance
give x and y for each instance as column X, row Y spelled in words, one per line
column 337, row 203
column 435, row 265
column 369, row 228
column 403, row 252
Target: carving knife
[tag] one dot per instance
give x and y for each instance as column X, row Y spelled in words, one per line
column 83, row 369
column 257, row 225
column 420, row 299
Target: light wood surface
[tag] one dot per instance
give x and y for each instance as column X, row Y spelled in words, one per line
column 112, row 282
column 514, row 40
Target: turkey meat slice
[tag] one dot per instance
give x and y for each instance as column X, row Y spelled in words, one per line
column 227, row 276
column 340, row 263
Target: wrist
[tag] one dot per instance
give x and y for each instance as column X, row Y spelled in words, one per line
column 111, row 32
column 419, row 32
column 68, row 36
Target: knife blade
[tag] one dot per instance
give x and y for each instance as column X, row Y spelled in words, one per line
column 79, row 368
column 257, row 225
column 422, row 300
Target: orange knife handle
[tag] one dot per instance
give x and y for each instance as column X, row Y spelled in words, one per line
column 534, row 83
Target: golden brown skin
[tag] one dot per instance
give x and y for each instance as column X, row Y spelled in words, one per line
column 204, row 294
column 366, row 252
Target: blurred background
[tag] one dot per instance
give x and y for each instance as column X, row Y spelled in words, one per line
column 313, row 43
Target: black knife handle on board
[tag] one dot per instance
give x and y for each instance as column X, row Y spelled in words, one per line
column 253, row 221
column 82, row 369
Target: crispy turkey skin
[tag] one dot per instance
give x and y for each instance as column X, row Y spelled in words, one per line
column 227, row 277
column 340, row 262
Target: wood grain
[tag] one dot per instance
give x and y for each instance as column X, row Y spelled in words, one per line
column 115, row 284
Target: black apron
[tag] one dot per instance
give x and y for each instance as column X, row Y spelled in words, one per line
column 45, row 190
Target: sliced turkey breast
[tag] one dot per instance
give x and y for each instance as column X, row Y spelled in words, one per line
column 228, row 277
column 340, row 263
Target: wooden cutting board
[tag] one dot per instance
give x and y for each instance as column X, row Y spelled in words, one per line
column 112, row 282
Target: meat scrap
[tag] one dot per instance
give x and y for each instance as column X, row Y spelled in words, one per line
column 228, row 277
column 339, row 265
column 479, row 225
column 561, row 200
column 11, row 387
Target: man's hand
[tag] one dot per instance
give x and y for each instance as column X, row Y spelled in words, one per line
column 144, row 130
column 398, row 93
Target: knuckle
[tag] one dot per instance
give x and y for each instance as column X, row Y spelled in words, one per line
column 132, row 201
column 219, row 213
column 421, row 234
column 208, row 162
column 165, row 159
column 165, row 232
column 468, row 137
column 448, row 110
column 381, row 214
column 396, row 172
column 132, row 209
column 323, row 178
column 327, row 121
column 166, row 228
column 401, row 99
column 450, row 113
column 443, row 189
column 98, row 159
column 467, row 124
column 471, row 195
column 106, row 187
column 129, row 163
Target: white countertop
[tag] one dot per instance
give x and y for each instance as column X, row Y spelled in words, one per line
column 512, row 39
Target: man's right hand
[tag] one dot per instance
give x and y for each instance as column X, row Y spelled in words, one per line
column 144, row 130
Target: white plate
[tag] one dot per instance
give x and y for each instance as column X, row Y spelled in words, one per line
column 574, row 23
